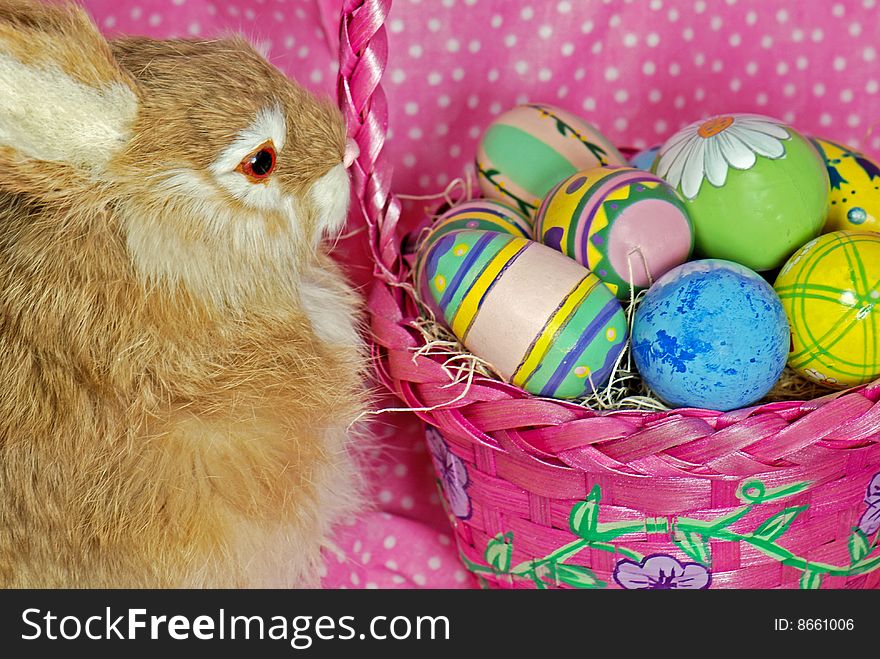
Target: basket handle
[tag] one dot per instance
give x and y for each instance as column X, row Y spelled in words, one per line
column 363, row 56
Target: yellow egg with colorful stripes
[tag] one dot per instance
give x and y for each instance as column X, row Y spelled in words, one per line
column 482, row 214
column 541, row 320
column 830, row 290
column 529, row 149
column 626, row 225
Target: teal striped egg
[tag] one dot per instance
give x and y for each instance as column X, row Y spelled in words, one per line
column 482, row 214
column 529, row 149
column 540, row 319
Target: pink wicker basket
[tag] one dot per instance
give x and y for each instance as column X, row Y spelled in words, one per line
column 546, row 494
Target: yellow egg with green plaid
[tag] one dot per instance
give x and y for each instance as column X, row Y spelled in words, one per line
column 542, row 321
column 830, row 290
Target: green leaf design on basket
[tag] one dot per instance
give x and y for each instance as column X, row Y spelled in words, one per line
column 859, row 546
column 690, row 536
column 577, row 576
column 778, row 524
column 498, row 552
column 754, row 491
column 695, row 546
column 585, row 515
column 811, row 580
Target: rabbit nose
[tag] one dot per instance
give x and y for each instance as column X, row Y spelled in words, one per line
column 352, row 151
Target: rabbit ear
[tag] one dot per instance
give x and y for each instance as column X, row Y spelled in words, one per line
column 63, row 97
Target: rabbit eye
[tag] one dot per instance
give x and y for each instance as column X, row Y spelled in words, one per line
column 260, row 164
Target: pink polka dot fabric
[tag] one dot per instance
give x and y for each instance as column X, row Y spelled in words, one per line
column 638, row 69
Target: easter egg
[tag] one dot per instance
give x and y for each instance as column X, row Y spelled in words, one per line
column 543, row 322
column 831, row 292
column 482, row 214
column 626, row 225
column 710, row 334
column 645, row 159
column 855, row 188
column 754, row 188
column 529, row 149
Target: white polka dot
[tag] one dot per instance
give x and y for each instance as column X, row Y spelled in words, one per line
column 817, row 34
column 407, row 502
column 656, row 5
column 579, row 73
column 766, row 41
column 589, row 104
column 416, row 50
column 510, row 40
column 789, row 89
column 797, row 35
column 496, row 21
column 474, row 131
column 825, row 119
column 397, row 579
column 414, row 133
column 453, row 45
column 788, row 117
column 110, row 21
column 371, row 585
column 752, row 68
column 434, row 78
column 853, row 120
column 567, row 49
column 443, row 100
column 563, row 7
column 434, row 24
column 802, row 63
column 869, row 4
column 672, row 15
column 457, row 73
column 699, row 6
column 441, row 128
column 396, row 25
column 545, row 31
column 434, row 562
column 527, row 13
column 385, row 496
column 492, row 75
column 660, row 126
column 614, row 21
column 545, row 75
column 869, row 54
column 782, row 16
column 717, row 65
column 444, row 540
column 674, row 69
column 653, row 39
column 687, row 34
column 872, row 86
column 761, row 99
column 630, row 40
column 751, row 17
column 155, row 19
column 782, row 68
column 611, row 73
column 316, row 76
column 716, row 22
column 587, row 26
column 495, row 108
column 355, row 578
column 735, row 39
column 679, row 102
column 474, row 46
column 411, row 108
column 855, row 29
column 409, row 160
column 655, row 95
column 136, row 12
column 194, row 28
column 700, row 59
column 838, row 10
column 846, row 95
column 596, row 48
column 521, row 67
column 735, row 84
column 424, row 181
column 839, row 63
column 460, row 576
column 620, row 124
column 819, row 89
column 391, row 564
column 419, row 579
column 699, row 94
column 648, row 68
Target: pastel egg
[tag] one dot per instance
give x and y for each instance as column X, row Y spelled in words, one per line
column 484, row 214
column 754, row 188
column 710, row 334
column 529, row 149
column 645, row 159
column 831, row 292
column 626, row 225
column 855, row 188
column 543, row 321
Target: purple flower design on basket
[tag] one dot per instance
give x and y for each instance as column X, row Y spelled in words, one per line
column 870, row 522
column 661, row 572
column 452, row 472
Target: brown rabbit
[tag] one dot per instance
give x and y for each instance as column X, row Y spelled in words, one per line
column 178, row 357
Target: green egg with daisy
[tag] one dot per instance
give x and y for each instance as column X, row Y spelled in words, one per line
column 755, row 188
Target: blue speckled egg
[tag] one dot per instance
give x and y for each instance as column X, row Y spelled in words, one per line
column 710, row 334
column 645, row 159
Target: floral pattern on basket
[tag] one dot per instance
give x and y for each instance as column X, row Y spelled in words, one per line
column 690, row 536
column 452, row 473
